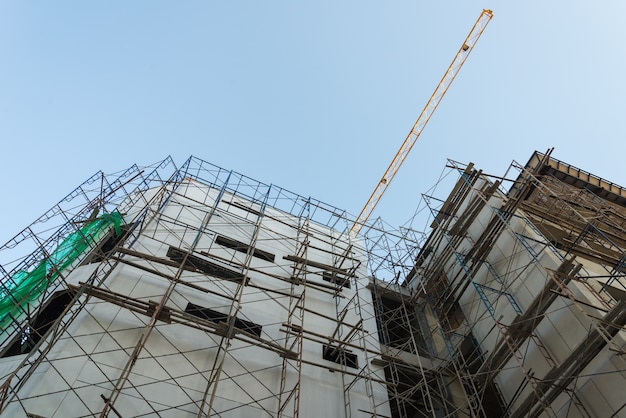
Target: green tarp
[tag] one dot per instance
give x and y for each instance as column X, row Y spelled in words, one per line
column 26, row 286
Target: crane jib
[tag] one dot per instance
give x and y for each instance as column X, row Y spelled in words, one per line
column 422, row 120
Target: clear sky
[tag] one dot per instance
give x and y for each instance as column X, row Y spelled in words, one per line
column 313, row 96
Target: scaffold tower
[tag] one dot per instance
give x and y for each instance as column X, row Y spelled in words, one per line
column 197, row 291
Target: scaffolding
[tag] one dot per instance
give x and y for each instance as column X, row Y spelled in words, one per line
column 505, row 269
column 197, row 291
column 268, row 280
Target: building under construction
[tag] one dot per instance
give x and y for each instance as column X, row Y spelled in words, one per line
column 197, row 291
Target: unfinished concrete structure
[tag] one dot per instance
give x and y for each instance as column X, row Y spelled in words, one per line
column 525, row 291
column 196, row 291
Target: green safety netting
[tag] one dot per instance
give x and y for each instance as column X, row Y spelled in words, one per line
column 25, row 286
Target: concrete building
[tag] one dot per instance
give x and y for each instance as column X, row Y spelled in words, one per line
column 196, row 291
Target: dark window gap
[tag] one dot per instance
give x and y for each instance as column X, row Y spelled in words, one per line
column 336, row 279
column 470, row 357
column 339, row 356
column 103, row 250
column 398, row 324
column 243, row 248
column 37, row 327
column 195, row 263
column 413, row 403
column 217, row 317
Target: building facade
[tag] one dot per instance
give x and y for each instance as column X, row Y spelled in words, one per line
column 196, row 291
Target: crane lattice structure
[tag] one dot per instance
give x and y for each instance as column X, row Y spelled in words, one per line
column 424, row 117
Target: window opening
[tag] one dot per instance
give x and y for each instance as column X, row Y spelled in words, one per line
column 398, row 325
column 101, row 252
column 244, row 248
column 336, row 279
column 37, row 327
column 219, row 317
column 339, row 356
column 469, row 355
column 195, row 263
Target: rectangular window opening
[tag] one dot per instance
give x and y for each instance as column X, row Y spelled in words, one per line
column 398, row 323
column 108, row 244
column 244, row 248
column 37, row 327
column 218, row 317
column 339, row 356
column 336, row 279
column 195, row 263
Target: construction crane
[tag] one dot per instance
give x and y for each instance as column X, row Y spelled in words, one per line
column 423, row 118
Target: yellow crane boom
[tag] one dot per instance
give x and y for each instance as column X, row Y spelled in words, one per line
column 423, row 118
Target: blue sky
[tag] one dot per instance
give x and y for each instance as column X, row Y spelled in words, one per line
column 315, row 97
